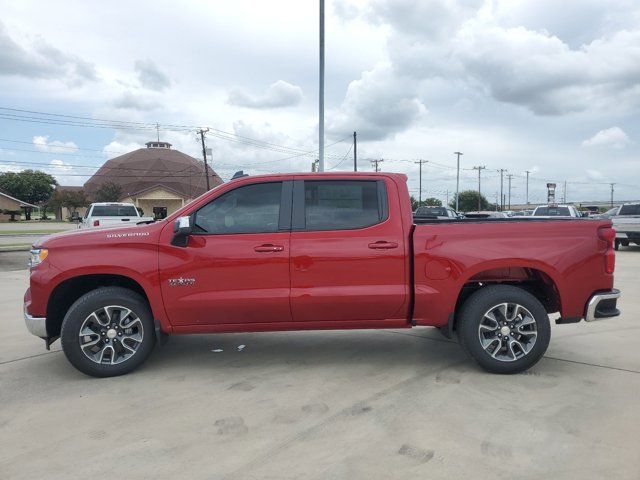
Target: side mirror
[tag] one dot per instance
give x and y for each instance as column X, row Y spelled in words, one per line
column 181, row 230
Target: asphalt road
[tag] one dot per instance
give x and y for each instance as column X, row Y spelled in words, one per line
column 326, row 405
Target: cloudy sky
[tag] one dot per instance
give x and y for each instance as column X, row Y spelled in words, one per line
column 545, row 86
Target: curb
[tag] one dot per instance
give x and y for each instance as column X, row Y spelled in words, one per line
column 25, row 248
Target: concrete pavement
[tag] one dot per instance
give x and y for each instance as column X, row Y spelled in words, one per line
column 326, row 405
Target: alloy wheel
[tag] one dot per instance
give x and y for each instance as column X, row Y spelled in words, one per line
column 507, row 332
column 111, row 335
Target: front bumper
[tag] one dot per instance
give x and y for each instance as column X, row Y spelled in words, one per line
column 603, row 305
column 36, row 325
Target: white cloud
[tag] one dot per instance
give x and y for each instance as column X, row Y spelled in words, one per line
column 42, row 144
column 477, row 44
column 150, row 76
column 66, row 173
column 377, row 106
column 35, row 58
column 277, row 95
column 132, row 101
column 613, row 137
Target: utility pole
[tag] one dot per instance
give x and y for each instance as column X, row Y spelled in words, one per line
column 202, row 131
column 496, row 201
column 355, row 152
column 321, row 93
column 502, row 170
column 612, row 184
column 447, row 197
column 375, row 164
column 527, row 194
column 509, row 177
column 564, row 192
column 458, row 178
column 420, row 162
column 158, row 130
column 479, row 168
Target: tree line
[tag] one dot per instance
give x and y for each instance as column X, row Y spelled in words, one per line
column 42, row 189
column 468, row 202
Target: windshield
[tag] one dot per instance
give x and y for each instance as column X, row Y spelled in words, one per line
column 114, row 211
column 552, row 212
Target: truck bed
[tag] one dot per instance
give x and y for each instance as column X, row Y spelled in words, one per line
column 449, row 256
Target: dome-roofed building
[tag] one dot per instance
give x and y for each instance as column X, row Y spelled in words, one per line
column 156, row 179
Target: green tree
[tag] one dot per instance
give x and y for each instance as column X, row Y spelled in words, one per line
column 430, row 202
column 469, row 201
column 70, row 199
column 108, row 192
column 31, row 186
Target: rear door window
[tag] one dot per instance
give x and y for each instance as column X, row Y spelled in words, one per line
column 343, row 204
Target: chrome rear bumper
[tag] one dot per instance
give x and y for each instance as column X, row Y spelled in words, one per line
column 603, row 305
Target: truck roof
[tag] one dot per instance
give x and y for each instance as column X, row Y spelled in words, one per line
column 106, row 204
column 400, row 176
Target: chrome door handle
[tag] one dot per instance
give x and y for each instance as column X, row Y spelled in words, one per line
column 268, row 247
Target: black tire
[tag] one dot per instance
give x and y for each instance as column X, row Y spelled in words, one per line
column 94, row 301
column 616, row 245
column 472, row 313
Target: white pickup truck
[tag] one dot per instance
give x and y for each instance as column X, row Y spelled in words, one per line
column 626, row 221
column 109, row 214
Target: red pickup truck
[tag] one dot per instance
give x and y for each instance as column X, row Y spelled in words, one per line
column 317, row 251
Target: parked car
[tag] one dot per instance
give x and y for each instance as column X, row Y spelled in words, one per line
column 442, row 213
column 626, row 221
column 316, row 251
column 111, row 214
column 485, row 214
column 566, row 211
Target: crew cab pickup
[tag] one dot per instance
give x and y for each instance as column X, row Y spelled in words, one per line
column 103, row 214
column 317, row 251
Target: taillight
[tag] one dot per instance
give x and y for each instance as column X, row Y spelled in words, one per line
column 96, row 223
column 608, row 234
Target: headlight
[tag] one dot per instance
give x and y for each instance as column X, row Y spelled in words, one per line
column 37, row 256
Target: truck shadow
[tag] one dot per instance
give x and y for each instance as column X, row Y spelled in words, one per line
column 377, row 348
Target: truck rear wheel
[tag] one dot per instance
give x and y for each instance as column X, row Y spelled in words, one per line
column 107, row 332
column 504, row 328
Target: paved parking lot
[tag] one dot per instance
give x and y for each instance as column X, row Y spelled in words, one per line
column 325, row 405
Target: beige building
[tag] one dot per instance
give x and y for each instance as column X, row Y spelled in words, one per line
column 157, row 179
column 10, row 204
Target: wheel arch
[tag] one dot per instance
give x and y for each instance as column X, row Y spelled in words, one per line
column 540, row 281
column 66, row 292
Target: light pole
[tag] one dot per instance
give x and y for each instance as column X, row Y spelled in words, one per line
column 321, row 93
column 458, row 179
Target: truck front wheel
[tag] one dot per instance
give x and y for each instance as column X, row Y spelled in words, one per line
column 504, row 328
column 107, row 332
